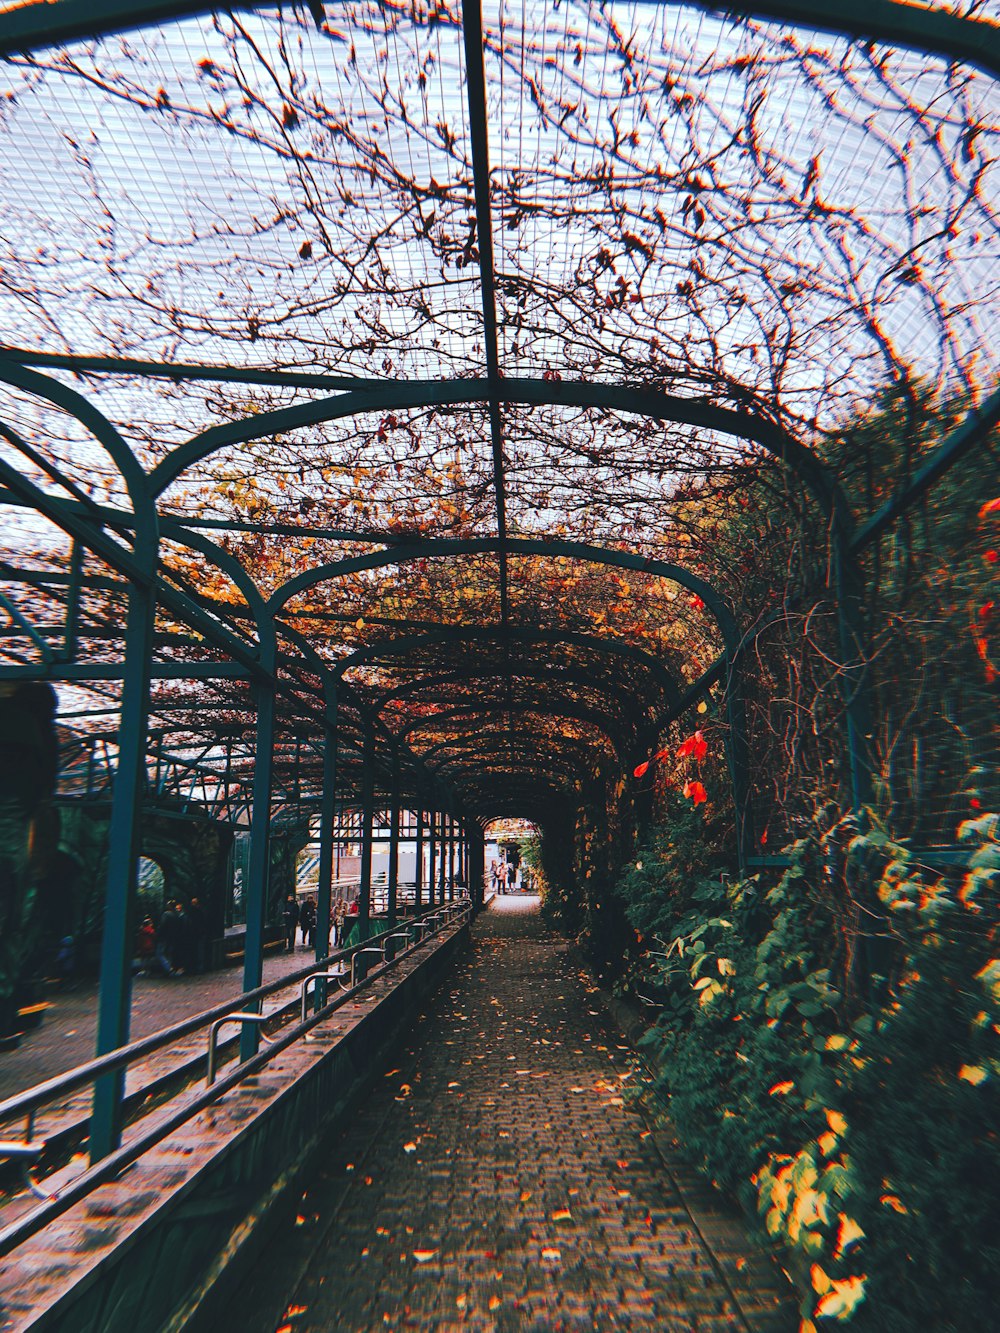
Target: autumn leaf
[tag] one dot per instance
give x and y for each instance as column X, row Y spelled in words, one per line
column 641, row 770
column 843, row 1298
column 990, row 507
column 780, row 1089
column 695, row 746
column 696, row 792
column 974, row 1074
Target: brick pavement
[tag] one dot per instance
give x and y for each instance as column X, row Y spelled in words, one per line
column 496, row 1180
column 67, row 1035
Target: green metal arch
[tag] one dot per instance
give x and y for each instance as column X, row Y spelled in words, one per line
column 933, row 30
column 456, row 546
column 636, row 399
column 453, row 634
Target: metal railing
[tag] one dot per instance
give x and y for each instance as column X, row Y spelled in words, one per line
column 27, row 1150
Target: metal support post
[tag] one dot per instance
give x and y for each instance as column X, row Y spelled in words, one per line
column 258, row 860
column 431, row 849
column 443, row 885
column 114, row 1002
column 367, row 819
column 418, row 873
column 321, row 937
column 393, row 876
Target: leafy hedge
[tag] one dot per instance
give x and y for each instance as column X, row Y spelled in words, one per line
column 858, row 1123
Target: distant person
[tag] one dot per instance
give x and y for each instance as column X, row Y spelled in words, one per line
column 145, row 947
column 290, row 916
column 307, row 920
column 168, row 939
column 195, row 938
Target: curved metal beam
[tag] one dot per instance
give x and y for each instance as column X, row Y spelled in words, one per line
column 34, row 26
column 453, row 634
column 453, row 547
column 636, row 399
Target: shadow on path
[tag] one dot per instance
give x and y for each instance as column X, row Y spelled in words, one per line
column 497, row 1181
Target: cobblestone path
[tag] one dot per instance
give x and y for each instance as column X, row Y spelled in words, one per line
column 496, row 1180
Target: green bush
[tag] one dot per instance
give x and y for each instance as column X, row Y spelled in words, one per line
column 860, row 1124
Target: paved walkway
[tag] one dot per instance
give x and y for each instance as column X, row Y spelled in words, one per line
column 496, row 1180
column 68, row 1033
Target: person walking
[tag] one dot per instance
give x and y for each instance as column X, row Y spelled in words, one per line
column 290, row 917
column 307, row 920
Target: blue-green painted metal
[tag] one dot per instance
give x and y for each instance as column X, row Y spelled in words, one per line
column 259, row 859
column 367, row 821
column 328, row 811
column 936, row 30
column 394, row 814
column 418, row 874
column 115, row 995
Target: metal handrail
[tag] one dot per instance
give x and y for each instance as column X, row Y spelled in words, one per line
column 28, row 1101
column 336, row 975
column 213, row 1036
column 116, row 1161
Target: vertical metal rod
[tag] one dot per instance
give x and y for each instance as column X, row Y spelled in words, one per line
column 321, row 936
column 738, row 756
column 258, row 866
column 70, row 634
column 115, row 996
column 393, row 876
column 418, row 873
column 432, row 852
column 442, row 885
column 367, row 817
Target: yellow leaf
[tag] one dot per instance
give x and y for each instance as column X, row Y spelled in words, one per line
column 843, row 1298
column 836, row 1122
column 703, row 707
column 894, row 1202
column 838, row 1042
column 359, row 623
column 562, row 1215
column 495, row 1302
column 827, row 1143
column 974, row 1074
column 821, row 1283
column 848, row 1234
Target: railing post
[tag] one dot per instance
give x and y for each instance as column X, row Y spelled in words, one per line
column 431, row 852
column 444, row 857
column 418, row 873
column 115, row 997
column 367, row 818
column 393, row 875
column 328, row 810
column 258, row 860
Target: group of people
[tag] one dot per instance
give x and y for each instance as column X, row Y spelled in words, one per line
column 177, row 944
column 301, row 916
column 503, row 876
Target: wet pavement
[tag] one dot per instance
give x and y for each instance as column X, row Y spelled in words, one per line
column 498, row 1179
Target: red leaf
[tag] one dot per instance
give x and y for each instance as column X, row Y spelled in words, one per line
column 640, row 770
column 991, row 557
column 990, row 507
column 696, row 746
column 695, row 601
column 696, row 792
